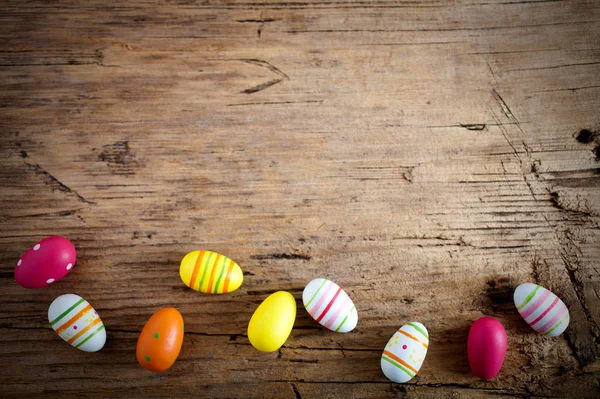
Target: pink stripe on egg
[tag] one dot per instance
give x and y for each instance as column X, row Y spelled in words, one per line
column 329, row 305
column 322, row 298
column 535, row 305
column 540, row 317
column 553, row 320
column 340, row 309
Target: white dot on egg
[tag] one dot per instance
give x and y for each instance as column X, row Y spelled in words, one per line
column 19, row 262
column 69, row 266
column 50, row 280
column 37, row 246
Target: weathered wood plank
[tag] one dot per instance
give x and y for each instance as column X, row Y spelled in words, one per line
column 428, row 156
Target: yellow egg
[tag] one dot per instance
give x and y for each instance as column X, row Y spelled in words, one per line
column 272, row 322
column 210, row 272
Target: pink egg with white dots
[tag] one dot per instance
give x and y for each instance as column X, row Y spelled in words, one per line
column 45, row 263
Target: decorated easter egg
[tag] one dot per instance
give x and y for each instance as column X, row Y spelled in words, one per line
column 272, row 322
column 405, row 351
column 541, row 309
column 160, row 340
column 210, row 272
column 486, row 347
column 76, row 321
column 328, row 304
column 46, row 262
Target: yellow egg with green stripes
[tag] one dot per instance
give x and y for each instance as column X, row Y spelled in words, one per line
column 210, row 272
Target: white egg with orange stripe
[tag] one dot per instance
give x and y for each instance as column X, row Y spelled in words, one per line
column 329, row 305
column 541, row 309
column 76, row 321
column 405, row 352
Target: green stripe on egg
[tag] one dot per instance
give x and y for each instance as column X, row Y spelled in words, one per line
column 66, row 312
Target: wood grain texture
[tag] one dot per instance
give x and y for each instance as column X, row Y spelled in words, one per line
column 428, row 156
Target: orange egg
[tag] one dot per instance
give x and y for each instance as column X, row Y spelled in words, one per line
column 160, row 340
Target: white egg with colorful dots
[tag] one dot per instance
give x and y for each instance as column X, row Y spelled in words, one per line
column 76, row 322
column 405, row 352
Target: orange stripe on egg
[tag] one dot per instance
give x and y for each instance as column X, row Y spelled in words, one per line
column 73, row 319
column 413, row 338
column 227, row 277
column 402, row 362
column 215, row 266
column 197, row 266
column 80, row 333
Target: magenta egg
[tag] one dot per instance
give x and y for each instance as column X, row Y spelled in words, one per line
column 486, row 347
column 45, row 263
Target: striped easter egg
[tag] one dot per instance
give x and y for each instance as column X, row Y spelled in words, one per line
column 76, row 321
column 210, row 272
column 405, row 351
column 329, row 305
column 541, row 309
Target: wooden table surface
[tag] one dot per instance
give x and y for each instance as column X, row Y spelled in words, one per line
column 428, row 156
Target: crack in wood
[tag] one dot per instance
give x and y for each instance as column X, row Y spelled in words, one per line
column 410, row 43
column 473, row 126
column 262, row 86
column 491, row 69
column 258, row 21
column 55, row 183
column 295, row 390
column 282, row 255
column 277, row 103
column 573, row 89
column 263, row 64
column 507, row 111
column 97, row 59
column 45, row 214
column 552, row 67
column 11, row 327
column 315, row 361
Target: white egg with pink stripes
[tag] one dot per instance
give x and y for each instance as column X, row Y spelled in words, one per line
column 329, row 305
column 541, row 309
